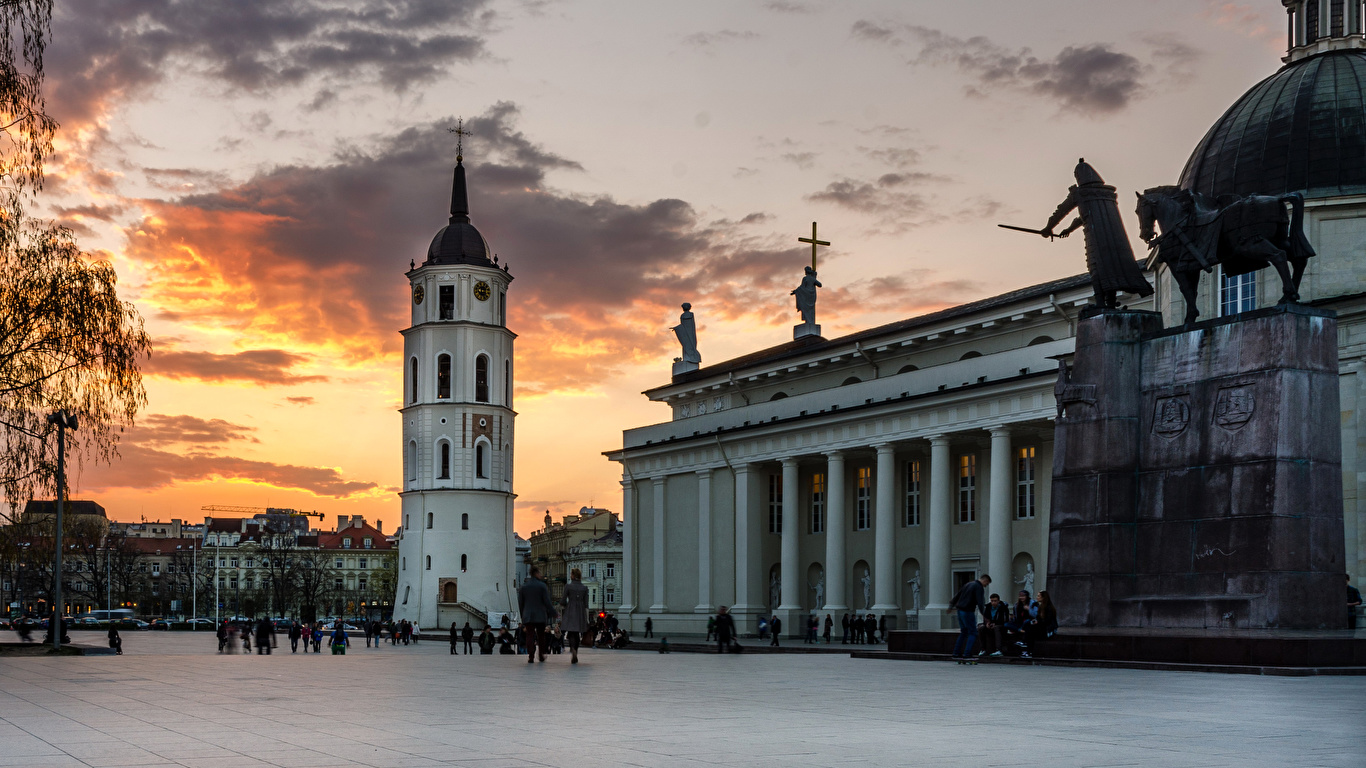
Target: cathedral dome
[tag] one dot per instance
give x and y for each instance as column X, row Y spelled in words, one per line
column 1301, row 130
column 459, row 242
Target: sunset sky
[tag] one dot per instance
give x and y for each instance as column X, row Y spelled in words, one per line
column 261, row 173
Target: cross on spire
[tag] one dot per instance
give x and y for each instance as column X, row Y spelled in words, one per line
column 460, row 133
column 814, row 242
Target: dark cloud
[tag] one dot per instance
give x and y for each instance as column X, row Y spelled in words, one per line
column 899, row 201
column 114, row 48
column 803, row 160
column 160, row 429
column 899, row 157
column 184, row 179
column 317, row 254
column 91, row 211
column 789, row 6
column 300, row 400
column 146, row 468
column 266, row 367
column 1090, row 79
column 708, row 40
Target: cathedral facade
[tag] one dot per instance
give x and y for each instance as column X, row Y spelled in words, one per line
column 457, row 548
column 877, row 472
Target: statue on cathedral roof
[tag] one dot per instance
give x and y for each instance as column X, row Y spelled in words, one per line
column 1109, row 257
column 686, row 331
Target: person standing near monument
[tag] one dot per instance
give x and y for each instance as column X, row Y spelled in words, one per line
column 969, row 600
column 295, row 633
column 775, row 625
column 649, row 627
column 829, row 625
column 575, row 620
column 537, row 609
column 1109, row 257
column 467, row 634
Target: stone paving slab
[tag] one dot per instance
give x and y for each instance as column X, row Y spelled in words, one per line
column 170, row 700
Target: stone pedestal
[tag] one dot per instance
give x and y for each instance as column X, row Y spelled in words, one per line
column 805, row 329
column 683, row 366
column 1197, row 474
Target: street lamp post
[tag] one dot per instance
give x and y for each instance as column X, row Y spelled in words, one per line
column 64, row 421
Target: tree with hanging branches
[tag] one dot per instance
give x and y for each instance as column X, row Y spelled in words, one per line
column 67, row 342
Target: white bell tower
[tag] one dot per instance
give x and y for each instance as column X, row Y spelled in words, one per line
column 456, row 554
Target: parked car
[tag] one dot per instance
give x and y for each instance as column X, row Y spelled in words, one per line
column 160, row 624
column 85, row 622
column 4, row 624
column 282, row 625
column 200, row 623
column 137, row 624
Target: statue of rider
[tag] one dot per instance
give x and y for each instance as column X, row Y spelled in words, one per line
column 1109, row 257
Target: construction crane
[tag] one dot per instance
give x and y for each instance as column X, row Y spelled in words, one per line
column 260, row 510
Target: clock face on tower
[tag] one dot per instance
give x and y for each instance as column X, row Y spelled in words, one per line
column 481, row 291
column 418, row 294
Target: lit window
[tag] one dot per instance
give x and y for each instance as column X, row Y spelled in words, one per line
column 1024, row 483
column 775, row 503
column 912, row 493
column 818, row 502
column 863, row 499
column 967, row 489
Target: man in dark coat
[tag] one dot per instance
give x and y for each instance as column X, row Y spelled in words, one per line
column 467, row 634
column 844, row 624
column 969, row 600
column 538, row 610
column 265, row 636
column 1109, row 257
column 295, row 632
column 725, row 630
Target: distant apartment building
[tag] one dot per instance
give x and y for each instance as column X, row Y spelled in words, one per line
column 550, row 546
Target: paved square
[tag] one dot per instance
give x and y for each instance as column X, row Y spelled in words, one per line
column 170, row 700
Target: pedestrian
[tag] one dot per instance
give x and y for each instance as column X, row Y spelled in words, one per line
column 367, row 634
column 265, row 636
column 829, row 625
column 245, row 631
column 1353, row 602
column 317, row 637
column 417, row 633
column 295, row 633
column 575, row 619
column 222, row 635
column 844, row 624
column 533, row 601
column 775, row 625
column 115, row 641
column 467, row 634
column 664, row 645
column 711, row 628
column 882, row 627
column 486, row 642
column 455, row 639
column 649, row 627
column 725, row 630
column 340, row 642
column 969, row 600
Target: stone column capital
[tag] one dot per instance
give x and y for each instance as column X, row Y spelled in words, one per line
column 940, row 440
column 1000, row 430
column 790, row 462
column 704, row 472
column 659, row 479
column 884, row 448
column 834, row 455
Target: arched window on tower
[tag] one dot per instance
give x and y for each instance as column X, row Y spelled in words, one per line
column 412, row 460
column 445, row 473
column 464, row 563
column 429, row 520
column 443, row 376
column 481, row 379
column 429, row 562
column 481, row 460
column 465, row 521
column 412, row 381
column 507, row 383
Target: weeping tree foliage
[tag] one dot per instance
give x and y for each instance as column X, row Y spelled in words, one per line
column 66, row 340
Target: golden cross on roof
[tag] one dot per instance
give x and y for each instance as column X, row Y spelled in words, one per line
column 814, row 242
column 460, row 134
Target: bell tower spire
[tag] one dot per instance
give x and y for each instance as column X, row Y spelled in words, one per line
column 460, row 201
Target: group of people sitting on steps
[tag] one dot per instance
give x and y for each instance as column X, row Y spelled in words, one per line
column 1002, row 625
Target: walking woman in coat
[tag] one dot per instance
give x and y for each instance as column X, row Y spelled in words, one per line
column 575, row 619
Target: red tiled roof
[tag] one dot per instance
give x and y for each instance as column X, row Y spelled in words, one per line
column 357, row 534
column 162, row 546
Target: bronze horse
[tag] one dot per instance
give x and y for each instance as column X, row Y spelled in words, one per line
column 1244, row 234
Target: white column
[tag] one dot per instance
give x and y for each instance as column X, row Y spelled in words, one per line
column 884, row 531
column 790, row 598
column 703, row 542
column 746, row 538
column 835, row 529
column 941, row 493
column 657, row 606
column 628, row 547
column 998, row 510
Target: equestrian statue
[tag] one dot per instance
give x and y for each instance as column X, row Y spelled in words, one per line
column 1242, row 234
